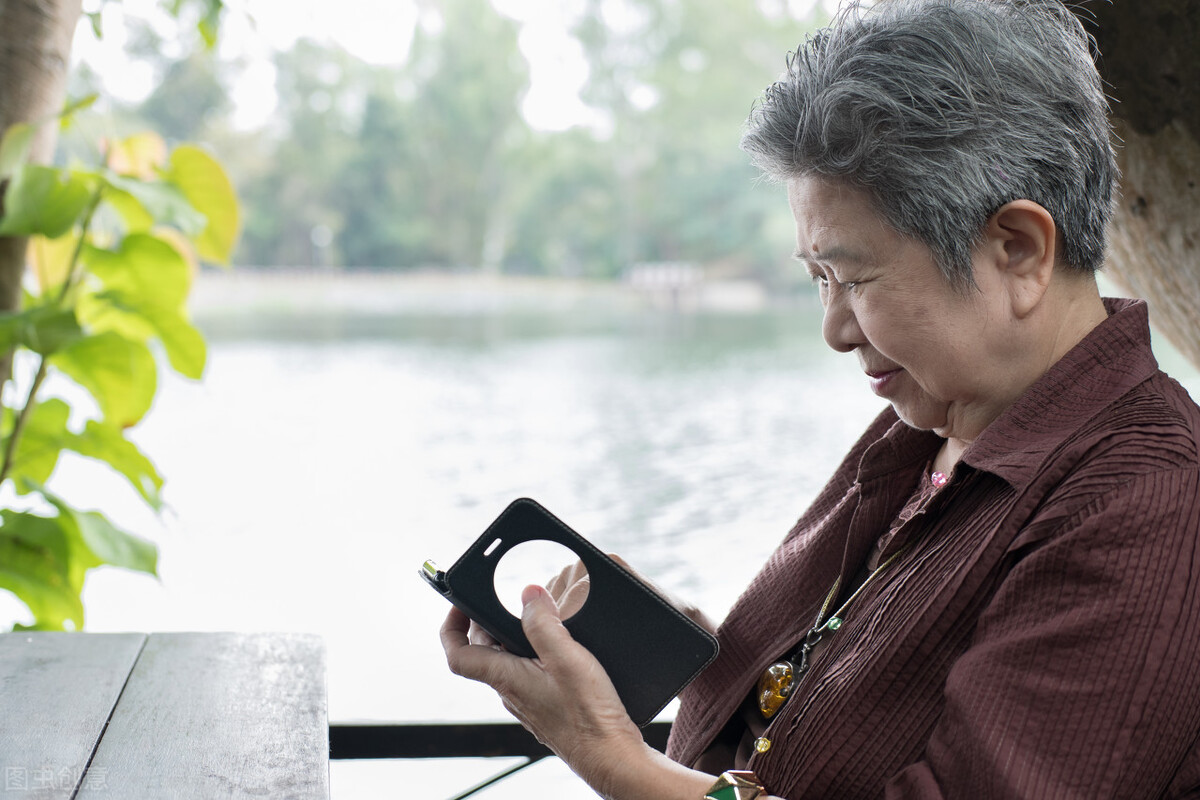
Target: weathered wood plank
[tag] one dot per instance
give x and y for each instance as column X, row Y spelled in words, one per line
column 57, row 691
column 219, row 715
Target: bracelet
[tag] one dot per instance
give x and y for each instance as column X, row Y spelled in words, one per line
column 736, row 784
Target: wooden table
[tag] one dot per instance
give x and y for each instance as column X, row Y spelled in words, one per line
column 163, row 715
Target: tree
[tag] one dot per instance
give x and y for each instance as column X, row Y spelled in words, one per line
column 112, row 249
column 293, row 191
column 566, row 208
column 469, row 78
column 35, row 50
column 1149, row 61
column 677, row 80
column 404, row 167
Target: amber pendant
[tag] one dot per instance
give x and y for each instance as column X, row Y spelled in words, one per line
column 774, row 687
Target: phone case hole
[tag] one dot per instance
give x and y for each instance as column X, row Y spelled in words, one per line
column 537, row 562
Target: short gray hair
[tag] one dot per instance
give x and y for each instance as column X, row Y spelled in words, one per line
column 945, row 110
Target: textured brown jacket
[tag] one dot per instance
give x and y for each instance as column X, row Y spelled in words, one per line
column 1038, row 638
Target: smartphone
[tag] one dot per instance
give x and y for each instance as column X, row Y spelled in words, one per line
column 650, row 650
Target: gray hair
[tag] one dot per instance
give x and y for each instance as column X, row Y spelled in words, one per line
column 945, row 110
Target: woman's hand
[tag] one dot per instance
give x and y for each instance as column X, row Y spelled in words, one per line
column 564, row 697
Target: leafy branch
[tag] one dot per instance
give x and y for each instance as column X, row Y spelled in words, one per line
column 10, row 446
column 112, row 250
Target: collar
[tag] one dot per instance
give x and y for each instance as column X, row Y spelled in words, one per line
column 901, row 448
column 1109, row 362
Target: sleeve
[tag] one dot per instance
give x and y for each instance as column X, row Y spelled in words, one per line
column 1083, row 676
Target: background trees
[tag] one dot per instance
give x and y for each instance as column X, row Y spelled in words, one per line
column 431, row 164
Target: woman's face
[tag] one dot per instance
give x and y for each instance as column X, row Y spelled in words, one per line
column 934, row 352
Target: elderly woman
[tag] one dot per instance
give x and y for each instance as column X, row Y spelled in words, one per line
column 996, row 595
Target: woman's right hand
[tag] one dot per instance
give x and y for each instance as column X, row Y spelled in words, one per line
column 569, row 588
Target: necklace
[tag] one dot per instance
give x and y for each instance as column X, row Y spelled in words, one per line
column 777, row 681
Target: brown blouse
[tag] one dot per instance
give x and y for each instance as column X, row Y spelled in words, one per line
column 1041, row 635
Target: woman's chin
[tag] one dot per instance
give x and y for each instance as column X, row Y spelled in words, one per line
column 925, row 416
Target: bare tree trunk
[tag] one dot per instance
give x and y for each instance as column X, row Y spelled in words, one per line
column 1149, row 60
column 1156, row 232
column 35, row 52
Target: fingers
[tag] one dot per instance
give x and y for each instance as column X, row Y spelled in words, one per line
column 542, row 622
column 564, row 696
column 477, row 635
column 479, row 663
column 561, row 583
column 571, row 600
column 454, row 629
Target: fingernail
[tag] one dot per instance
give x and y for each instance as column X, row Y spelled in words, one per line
column 530, row 593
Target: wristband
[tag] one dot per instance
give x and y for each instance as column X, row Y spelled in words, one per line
column 736, row 784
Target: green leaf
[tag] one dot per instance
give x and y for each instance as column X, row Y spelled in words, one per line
column 144, row 270
column 35, row 565
column 107, row 443
column 207, row 187
column 42, row 329
column 163, row 201
column 119, row 372
column 129, row 209
column 110, row 311
column 140, row 156
column 116, row 547
column 210, row 24
column 44, row 200
column 97, row 26
column 51, row 261
column 74, row 106
column 185, row 347
column 42, row 440
column 105, row 543
column 146, row 283
column 14, row 147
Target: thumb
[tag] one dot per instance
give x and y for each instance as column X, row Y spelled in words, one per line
column 541, row 620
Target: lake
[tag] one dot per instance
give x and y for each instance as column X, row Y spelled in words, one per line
column 348, row 430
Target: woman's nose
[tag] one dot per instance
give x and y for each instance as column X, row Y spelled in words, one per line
column 840, row 325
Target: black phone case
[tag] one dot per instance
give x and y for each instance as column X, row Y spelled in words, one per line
column 649, row 649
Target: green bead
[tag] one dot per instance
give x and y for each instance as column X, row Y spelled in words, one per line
column 727, row 793
column 834, row 623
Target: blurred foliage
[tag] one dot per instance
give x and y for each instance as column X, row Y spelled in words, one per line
column 430, row 164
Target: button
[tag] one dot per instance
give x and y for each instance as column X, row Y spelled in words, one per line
column 762, row 744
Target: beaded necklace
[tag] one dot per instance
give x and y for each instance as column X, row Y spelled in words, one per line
column 777, row 681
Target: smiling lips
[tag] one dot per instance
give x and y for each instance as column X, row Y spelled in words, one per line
column 882, row 379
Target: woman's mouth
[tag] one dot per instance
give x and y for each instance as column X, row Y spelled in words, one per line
column 882, row 380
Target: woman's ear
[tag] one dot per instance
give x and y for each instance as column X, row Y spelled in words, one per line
column 1021, row 241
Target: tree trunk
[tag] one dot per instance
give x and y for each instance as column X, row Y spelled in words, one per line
column 1149, row 61
column 1156, row 231
column 35, row 52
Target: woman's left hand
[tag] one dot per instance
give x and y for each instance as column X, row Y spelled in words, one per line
column 564, row 697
